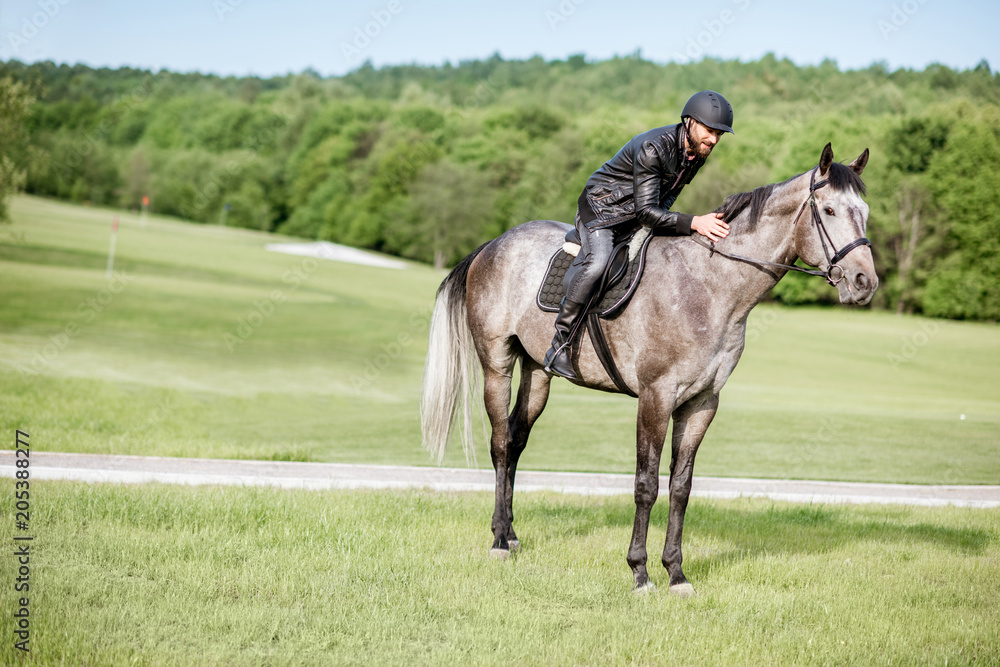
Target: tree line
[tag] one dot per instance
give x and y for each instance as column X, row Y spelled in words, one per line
column 427, row 162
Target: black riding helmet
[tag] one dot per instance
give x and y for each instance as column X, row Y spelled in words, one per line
column 710, row 109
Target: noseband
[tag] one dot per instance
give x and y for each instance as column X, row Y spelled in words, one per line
column 824, row 238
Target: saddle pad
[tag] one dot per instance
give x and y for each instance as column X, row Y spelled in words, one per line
column 551, row 292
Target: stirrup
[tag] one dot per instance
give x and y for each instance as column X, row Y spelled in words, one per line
column 566, row 349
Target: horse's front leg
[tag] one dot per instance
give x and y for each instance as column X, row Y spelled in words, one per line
column 691, row 421
column 651, row 430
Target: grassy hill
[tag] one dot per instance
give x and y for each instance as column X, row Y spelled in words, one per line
column 205, row 344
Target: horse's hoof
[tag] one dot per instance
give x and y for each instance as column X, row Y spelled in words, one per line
column 647, row 588
column 500, row 554
column 684, row 590
column 515, row 545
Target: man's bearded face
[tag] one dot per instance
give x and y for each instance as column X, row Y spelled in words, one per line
column 701, row 139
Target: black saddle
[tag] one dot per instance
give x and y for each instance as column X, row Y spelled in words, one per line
column 618, row 282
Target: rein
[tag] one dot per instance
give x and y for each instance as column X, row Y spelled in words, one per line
column 824, row 237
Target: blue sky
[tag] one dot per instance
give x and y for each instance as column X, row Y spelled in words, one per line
column 268, row 38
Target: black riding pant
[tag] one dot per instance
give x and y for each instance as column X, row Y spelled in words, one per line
column 583, row 275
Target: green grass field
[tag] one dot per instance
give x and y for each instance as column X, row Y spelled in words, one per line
column 207, row 345
column 173, row 575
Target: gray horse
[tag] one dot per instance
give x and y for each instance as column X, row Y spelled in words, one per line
column 676, row 343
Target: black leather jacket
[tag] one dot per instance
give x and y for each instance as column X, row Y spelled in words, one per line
column 642, row 181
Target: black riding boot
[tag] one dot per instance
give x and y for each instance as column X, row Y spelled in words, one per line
column 558, row 360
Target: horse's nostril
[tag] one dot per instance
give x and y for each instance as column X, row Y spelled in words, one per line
column 861, row 280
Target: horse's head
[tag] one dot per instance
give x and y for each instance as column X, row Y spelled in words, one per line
column 831, row 227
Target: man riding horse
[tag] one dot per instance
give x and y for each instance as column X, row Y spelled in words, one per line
column 637, row 187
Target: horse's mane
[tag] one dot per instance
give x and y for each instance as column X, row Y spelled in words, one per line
column 841, row 178
column 755, row 199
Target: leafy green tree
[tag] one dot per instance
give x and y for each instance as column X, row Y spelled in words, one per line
column 249, row 206
column 535, row 121
column 136, row 179
column 320, row 215
column 454, row 204
column 904, row 221
column 966, row 181
column 16, row 101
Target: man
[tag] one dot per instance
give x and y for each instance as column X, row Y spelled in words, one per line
column 637, row 187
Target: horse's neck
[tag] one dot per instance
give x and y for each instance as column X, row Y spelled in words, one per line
column 743, row 285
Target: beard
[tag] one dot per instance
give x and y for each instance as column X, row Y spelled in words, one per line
column 701, row 150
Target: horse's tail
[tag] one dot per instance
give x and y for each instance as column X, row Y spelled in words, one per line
column 450, row 373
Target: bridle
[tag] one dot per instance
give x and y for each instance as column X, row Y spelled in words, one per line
column 824, row 238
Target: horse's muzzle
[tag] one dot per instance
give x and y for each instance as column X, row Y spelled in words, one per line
column 857, row 287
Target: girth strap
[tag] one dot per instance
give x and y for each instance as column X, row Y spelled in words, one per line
column 604, row 353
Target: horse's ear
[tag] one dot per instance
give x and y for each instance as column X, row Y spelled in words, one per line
column 825, row 160
column 859, row 165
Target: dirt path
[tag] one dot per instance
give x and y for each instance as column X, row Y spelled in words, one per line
column 141, row 469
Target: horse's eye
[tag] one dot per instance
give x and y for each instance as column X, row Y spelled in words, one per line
column 829, row 211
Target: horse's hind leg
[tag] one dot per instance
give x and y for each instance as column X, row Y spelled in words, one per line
column 510, row 436
column 531, row 398
column 496, row 396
